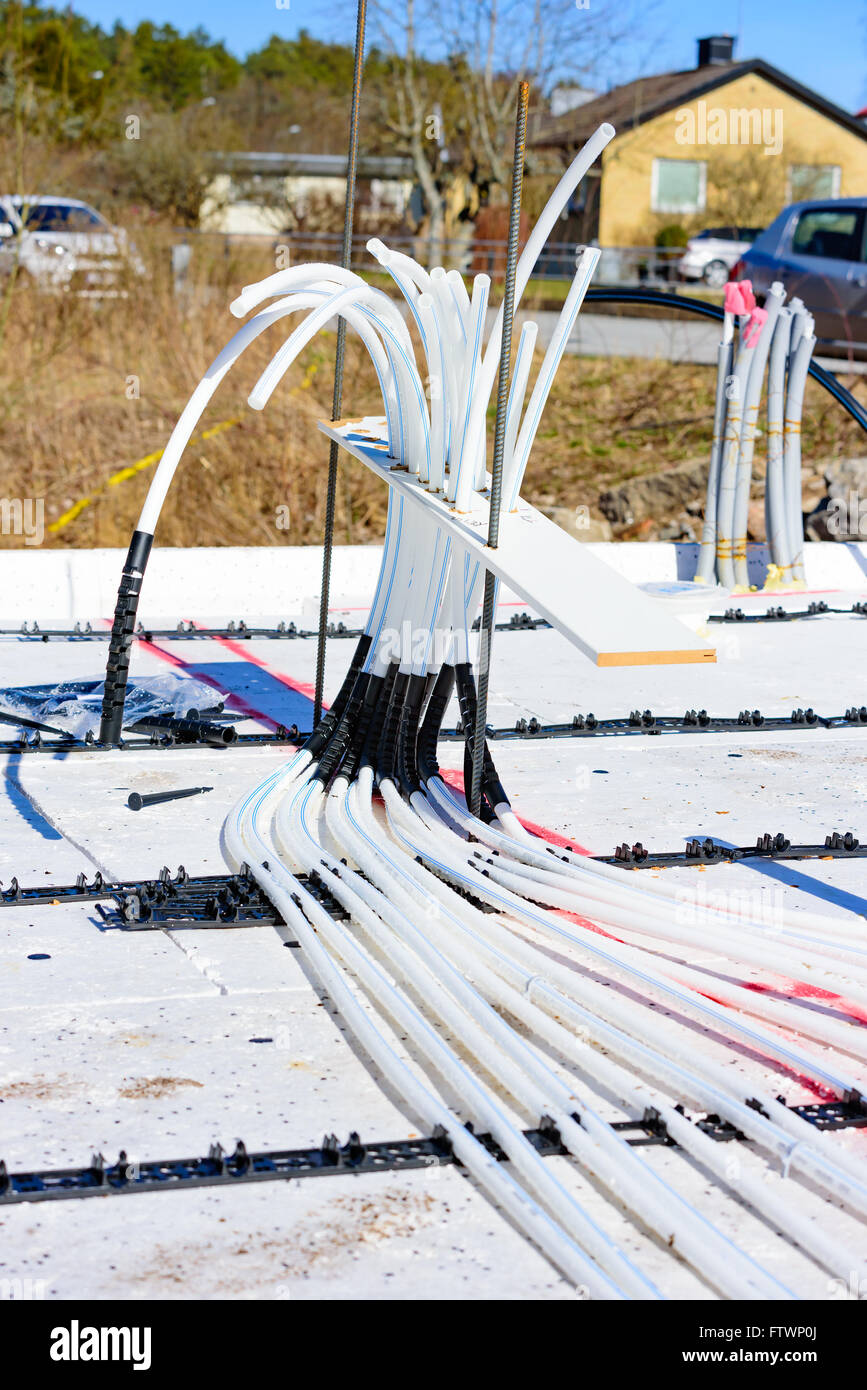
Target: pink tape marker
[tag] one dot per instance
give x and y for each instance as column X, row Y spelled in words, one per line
column 756, row 322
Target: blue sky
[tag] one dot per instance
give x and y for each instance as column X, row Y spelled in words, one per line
column 823, row 45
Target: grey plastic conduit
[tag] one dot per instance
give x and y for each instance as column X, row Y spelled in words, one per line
column 752, row 397
column 776, row 529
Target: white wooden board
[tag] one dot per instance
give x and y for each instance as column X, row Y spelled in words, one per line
column 604, row 615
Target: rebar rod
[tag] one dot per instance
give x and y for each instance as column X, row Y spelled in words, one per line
column 487, row 625
column 331, row 488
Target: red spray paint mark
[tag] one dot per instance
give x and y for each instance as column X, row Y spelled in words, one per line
column 798, row 989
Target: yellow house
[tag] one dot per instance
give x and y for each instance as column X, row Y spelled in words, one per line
column 726, row 143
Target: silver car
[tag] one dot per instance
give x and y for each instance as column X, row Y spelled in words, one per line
column 710, row 255
column 817, row 249
column 64, row 244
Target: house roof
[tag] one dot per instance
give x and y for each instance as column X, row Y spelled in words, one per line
column 633, row 103
column 316, row 165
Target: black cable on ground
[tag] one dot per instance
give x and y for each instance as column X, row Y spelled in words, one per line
column 660, row 299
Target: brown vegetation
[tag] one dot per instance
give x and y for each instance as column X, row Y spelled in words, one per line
column 90, row 387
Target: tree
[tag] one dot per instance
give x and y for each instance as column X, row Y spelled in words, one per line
column 454, row 111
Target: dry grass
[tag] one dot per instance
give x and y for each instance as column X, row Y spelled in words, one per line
column 69, row 418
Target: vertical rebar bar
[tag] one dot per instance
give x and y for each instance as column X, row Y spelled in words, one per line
column 331, row 490
column 487, row 625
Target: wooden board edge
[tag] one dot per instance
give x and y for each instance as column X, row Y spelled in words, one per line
column 682, row 658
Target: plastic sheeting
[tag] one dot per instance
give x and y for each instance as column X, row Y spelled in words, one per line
column 76, row 705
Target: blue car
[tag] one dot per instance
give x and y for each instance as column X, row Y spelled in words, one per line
column 817, row 249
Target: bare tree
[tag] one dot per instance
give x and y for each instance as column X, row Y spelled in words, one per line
column 453, row 109
column 408, row 110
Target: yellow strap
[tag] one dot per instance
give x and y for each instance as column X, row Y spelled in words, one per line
column 123, row 474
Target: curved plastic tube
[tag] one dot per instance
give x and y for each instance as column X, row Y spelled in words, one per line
column 217, row 371
column 462, row 475
column 512, row 480
column 320, row 941
column 485, row 957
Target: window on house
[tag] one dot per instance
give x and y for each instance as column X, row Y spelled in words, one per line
column 678, row 185
column 836, row 233
column 813, row 181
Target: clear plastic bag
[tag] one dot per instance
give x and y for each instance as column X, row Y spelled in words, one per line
column 76, row 706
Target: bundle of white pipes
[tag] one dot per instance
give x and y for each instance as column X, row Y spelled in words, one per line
column 452, row 962
column 779, row 336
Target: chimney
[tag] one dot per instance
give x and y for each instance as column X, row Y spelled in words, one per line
column 717, row 49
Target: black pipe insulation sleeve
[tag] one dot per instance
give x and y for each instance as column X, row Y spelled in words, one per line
column 466, row 693
column 407, row 735
column 385, row 759
column 120, row 642
column 374, row 733
column 430, row 682
column 372, row 700
column 492, row 787
column 426, row 745
column 338, row 744
column 329, row 721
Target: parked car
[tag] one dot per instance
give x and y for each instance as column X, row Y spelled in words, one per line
column 64, row 244
column 710, row 255
column 817, row 249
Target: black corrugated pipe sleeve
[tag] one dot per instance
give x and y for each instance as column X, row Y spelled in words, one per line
column 494, row 792
column 376, row 693
column 120, row 642
column 407, row 734
column 329, row 721
column 426, row 746
column 338, row 745
column 387, row 751
column 374, row 733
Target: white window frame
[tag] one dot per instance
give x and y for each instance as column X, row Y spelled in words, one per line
column 835, row 182
column 657, row 206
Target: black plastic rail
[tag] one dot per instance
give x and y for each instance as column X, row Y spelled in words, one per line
column 580, row 726
column 158, row 739
column 709, row 851
column 222, row 900
column 184, row 631
column 786, row 615
column 288, row 632
column 179, row 900
column 220, row 1168
column 691, row 722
